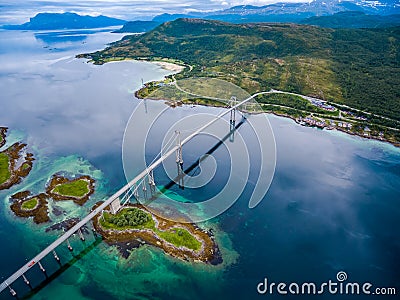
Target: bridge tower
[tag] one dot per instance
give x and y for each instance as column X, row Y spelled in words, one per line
column 136, row 191
column 179, row 160
column 144, row 188
column 232, row 121
column 152, row 183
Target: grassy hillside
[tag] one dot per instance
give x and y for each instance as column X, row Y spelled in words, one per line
column 358, row 67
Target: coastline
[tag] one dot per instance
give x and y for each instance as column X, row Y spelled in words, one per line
column 169, row 66
column 3, row 133
column 128, row 239
column 339, row 129
column 20, row 163
column 57, row 180
column 283, row 115
column 39, row 212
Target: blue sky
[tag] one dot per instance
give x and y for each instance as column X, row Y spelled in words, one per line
column 16, row 12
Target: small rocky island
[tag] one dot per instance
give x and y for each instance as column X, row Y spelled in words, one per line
column 15, row 162
column 25, row 205
column 134, row 226
column 78, row 190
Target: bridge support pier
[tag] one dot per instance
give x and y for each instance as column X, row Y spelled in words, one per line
column 26, row 281
column 232, row 131
column 13, row 293
column 56, row 256
column 69, row 246
column 81, row 235
column 41, row 267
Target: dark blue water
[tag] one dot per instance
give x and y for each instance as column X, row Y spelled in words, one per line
column 333, row 205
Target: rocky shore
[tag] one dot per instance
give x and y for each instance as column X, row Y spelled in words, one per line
column 20, row 164
column 127, row 239
column 57, row 180
column 3, row 132
column 66, row 225
column 39, row 212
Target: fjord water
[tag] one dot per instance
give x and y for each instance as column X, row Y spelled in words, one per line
column 334, row 203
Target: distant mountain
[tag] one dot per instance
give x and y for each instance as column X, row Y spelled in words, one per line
column 297, row 12
column 354, row 19
column 172, row 17
column 318, row 8
column 53, row 21
column 138, row 26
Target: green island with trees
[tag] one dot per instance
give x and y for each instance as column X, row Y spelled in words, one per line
column 135, row 218
column 354, row 70
column 78, row 188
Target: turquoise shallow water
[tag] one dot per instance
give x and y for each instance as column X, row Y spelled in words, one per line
column 333, row 204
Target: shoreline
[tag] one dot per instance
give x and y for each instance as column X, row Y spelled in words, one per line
column 57, row 180
column 3, row 134
column 20, row 163
column 39, row 212
column 339, row 129
column 169, row 66
column 128, row 239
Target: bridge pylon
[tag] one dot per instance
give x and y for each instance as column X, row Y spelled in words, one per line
column 152, row 183
column 144, row 188
column 179, row 160
column 136, row 191
column 232, row 120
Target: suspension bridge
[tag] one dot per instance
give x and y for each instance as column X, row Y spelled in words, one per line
column 123, row 195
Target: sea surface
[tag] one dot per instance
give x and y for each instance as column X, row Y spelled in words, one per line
column 333, row 205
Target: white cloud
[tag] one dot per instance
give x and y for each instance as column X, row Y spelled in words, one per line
column 15, row 12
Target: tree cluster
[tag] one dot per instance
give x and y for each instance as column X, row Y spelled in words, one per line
column 133, row 217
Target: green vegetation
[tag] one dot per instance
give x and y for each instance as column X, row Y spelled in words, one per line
column 356, row 67
column 25, row 166
column 30, row 204
column 4, row 169
column 77, row 188
column 131, row 217
column 180, row 237
column 135, row 218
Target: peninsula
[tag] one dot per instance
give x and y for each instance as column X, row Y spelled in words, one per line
column 351, row 76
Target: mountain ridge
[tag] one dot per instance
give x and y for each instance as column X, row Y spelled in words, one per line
column 67, row 20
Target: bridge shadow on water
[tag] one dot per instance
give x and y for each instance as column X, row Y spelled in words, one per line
column 196, row 164
column 62, row 269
